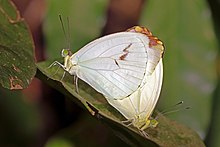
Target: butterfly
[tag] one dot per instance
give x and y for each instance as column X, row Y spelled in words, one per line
column 115, row 65
column 138, row 107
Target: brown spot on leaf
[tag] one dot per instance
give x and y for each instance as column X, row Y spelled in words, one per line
column 10, row 18
column 15, row 83
column 15, row 68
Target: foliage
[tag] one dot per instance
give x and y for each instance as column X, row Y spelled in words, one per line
column 185, row 28
column 17, row 66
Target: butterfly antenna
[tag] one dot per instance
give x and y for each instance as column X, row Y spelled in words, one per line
column 63, row 28
column 68, row 29
column 176, row 110
column 172, row 107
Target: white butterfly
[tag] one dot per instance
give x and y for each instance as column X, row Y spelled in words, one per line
column 115, row 65
column 138, row 107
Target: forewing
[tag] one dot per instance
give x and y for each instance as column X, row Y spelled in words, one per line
column 117, row 62
column 121, row 59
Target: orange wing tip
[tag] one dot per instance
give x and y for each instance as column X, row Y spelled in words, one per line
column 154, row 43
column 140, row 29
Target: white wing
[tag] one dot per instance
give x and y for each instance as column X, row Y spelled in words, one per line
column 143, row 101
column 115, row 65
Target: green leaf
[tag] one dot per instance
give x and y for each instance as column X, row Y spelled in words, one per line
column 17, row 64
column 167, row 133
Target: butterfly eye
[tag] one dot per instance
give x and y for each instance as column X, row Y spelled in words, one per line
column 154, row 122
column 64, row 52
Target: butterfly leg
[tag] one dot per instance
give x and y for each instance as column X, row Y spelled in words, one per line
column 55, row 72
column 60, row 65
column 63, row 76
column 76, row 83
column 52, row 64
column 55, row 63
column 144, row 133
column 127, row 123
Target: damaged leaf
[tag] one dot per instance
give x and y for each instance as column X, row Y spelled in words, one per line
column 17, row 64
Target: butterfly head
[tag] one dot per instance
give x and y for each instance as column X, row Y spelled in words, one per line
column 66, row 52
column 144, row 123
column 68, row 63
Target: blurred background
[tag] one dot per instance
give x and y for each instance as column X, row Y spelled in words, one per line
column 40, row 116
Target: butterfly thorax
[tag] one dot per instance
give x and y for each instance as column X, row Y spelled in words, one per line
column 138, row 122
column 69, row 65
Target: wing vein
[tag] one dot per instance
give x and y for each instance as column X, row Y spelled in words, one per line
column 113, row 47
column 124, row 78
column 113, row 83
column 105, row 50
column 130, row 75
